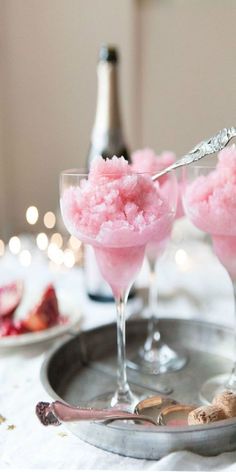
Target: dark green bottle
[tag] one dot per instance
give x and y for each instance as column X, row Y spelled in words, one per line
column 107, row 140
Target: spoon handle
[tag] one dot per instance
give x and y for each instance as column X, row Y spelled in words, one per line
column 214, row 144
column 56, row 412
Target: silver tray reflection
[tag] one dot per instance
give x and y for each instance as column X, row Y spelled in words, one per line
column 85, row 366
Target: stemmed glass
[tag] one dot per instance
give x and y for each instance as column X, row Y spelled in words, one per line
column 119, row 253
column 155, row 356
column 210, row 203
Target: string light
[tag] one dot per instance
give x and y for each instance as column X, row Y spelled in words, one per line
column 14, row 245
column 49, row 220
column 57, row 239
column 53, row 245
column 74, row 243
column 182, row 260
column 55, row 254
column 32, row 215
column 42, row 241
column 69, row 258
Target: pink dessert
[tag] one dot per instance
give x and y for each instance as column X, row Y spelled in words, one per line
column 118, row 212
column 145, row 160
column 210, row 203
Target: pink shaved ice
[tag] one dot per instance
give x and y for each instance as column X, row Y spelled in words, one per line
column 145, row 160
column 116, row 207
column 210, row 200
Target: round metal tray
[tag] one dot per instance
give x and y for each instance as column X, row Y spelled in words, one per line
column 84, row 366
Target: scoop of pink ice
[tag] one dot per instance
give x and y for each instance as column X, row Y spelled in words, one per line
column 118, row 212
column 115, row 207
column 211, row 199
column 211, row 205
column 146, row 160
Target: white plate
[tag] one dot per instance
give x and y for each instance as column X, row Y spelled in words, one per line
column 67, row 308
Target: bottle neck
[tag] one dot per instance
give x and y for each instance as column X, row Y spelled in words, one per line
column 107, row 126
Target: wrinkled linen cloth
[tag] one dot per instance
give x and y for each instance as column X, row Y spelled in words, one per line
column 25, row 443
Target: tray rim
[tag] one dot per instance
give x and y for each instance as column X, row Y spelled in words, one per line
column 151, row 429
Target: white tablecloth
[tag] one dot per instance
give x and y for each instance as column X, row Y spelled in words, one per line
column 25, row 443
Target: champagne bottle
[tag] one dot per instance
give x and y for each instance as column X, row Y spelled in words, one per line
column 107, row 135
column 107, row 140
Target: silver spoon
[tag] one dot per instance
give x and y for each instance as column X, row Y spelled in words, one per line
column 58, row 412
column 214, row 144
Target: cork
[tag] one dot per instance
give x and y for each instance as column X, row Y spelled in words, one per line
column 205, row 415
column 227, row 402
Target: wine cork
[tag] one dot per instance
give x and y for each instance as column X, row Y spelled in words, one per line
column 227, row 401
column 205, row 415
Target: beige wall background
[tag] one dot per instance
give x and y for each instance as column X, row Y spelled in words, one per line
column 188, row 66
column 177, row 81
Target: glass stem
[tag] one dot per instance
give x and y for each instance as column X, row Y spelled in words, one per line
column 231, row 383
column 123, row 386
column 153, row 334
column 152, row 295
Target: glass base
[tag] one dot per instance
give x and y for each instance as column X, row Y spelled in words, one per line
column 158, row 360
column 216, row 385
column 126, row 402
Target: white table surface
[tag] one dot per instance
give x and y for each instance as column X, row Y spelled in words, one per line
column 24, row 442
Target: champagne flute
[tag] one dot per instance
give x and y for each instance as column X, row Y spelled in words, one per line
column 155, row 356
column 209, row 202
column 119, row 251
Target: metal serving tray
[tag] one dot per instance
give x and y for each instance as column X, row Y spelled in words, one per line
column 85, row 366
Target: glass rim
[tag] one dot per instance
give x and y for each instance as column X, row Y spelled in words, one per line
column 74, row 171
column 85, row 173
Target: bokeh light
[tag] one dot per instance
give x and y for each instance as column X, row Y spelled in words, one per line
column 57, row 239
column 69, row 258
column 42, row 241
column 32, row 215
column 74, row 243
column 14, row 245
column 182, row 260
column 55, row 254
column 49, row 220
